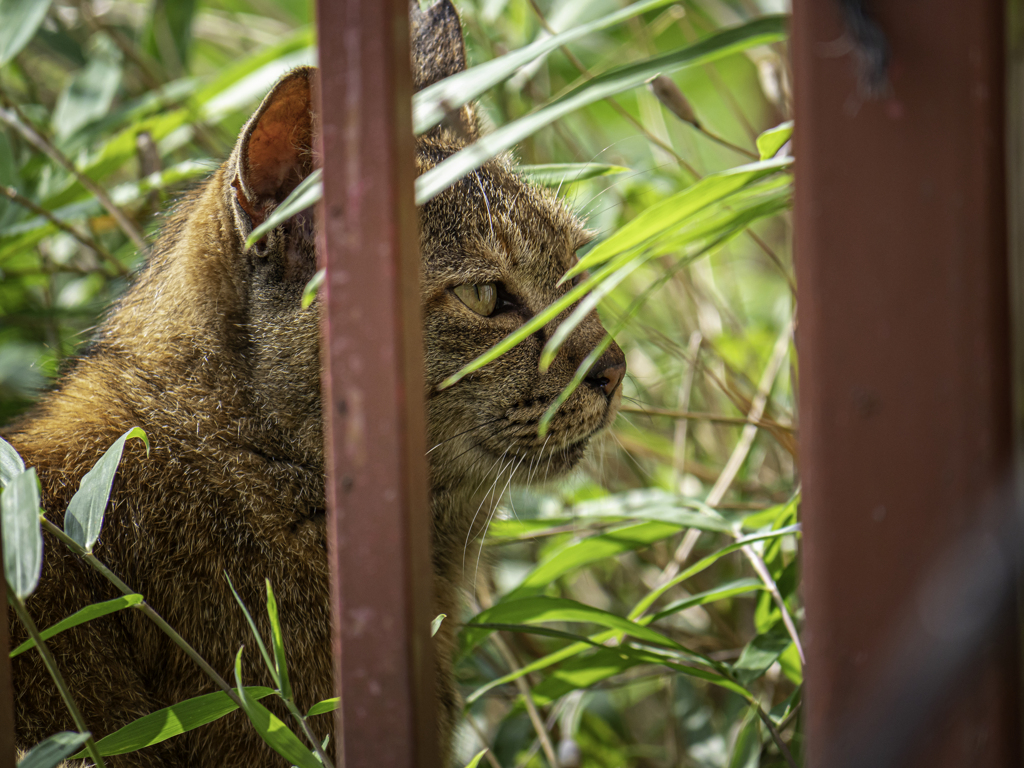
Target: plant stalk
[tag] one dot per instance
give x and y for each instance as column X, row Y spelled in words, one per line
column 144, row 607
column 58, row 678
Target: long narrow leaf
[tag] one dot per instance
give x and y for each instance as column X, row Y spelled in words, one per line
column 432, row 103
column 51, row 751
column 90, row 612
column 276, row 734
column 255, row 633
column 10, row 463
column 590, row 550
column 19, row 20
column 84, row 517
column 278, row 640
column 23, row 539
column 172, row 721
column 761, row 31
column 536, row 610
column 557, row 174
column 306, row 194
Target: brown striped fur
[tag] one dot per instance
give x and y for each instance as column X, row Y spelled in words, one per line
column 210, row 352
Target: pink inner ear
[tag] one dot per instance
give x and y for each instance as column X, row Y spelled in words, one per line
column 279, row 151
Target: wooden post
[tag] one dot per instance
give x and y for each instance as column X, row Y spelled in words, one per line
column 379, row 527
column 905, row 379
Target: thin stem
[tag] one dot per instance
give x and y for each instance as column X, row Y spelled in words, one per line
column 673, row 413
column 310, row 736
column 13, row 118
column 766, row 577
column 581, row 67
column 58, row 678
column 144, row 607
column 12, row 194
column 531, row 708
column 776, row 737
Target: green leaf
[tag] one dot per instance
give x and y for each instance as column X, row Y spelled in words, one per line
column 84, row 517
column 760, row 653
column 789, row 660
column 721, row 592
column 19, row 20
column 22, row 536
column 577, row 554
column 51, row 751
column 278, row 640
column 89, row 94
column 770, row 142
column 323, row 707
column 271, row 667
column 432, row 103
column 768, row 29
column 306, row 194
column 536, row 610
column 704, row 563
column 672, row 211
column 88, row 613
column 557, row 174
column 172, row 721
column 10, row 463
column 587, row 670
column 746, row 750
column 476, row 758
column 275, row 733
column 314, row 284
column 436, row 623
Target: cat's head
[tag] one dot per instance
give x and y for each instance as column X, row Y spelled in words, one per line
column 493, row 250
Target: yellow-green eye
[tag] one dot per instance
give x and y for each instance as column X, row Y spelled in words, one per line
column 480, row 297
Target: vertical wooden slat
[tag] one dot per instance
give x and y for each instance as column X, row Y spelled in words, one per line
column 905, row 400
column 373, row 389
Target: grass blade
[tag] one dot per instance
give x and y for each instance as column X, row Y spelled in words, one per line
column 22, row 537
column 84, row 517
column 90, row 612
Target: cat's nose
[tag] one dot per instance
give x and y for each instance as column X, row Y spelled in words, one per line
column 606, row 377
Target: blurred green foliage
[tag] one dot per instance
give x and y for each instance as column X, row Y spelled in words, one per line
column 145, row 98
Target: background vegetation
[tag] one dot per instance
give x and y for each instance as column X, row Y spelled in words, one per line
column 111, row 108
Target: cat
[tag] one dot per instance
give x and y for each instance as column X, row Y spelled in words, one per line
column 212, row 354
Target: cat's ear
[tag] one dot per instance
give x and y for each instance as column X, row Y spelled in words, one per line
column 275, row 149
column 438, row 49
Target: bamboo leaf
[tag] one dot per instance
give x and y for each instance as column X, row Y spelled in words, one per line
column 771, row 141
column 314, row 285
column 557, row 174
column 172, row 721
column 280, row 660
column 50, row 752
column 578, row 554
column 759, row 654
column 276, row 734
column 90, row 612
column 704, row 563
column 84, row 517
column 308, row 193
column 536, row 610
column 432, row 103
column 19, row 20
column 476, row 759
column 22, row 536
column 255, row 633
column 10, row 463
column 761, row 31
column 323, row 707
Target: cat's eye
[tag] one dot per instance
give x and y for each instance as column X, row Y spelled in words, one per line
column 480, row 297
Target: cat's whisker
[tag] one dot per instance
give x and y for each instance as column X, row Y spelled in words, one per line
column 487, row 202
column 469, row 531
column 494, row 509
column 463, row 432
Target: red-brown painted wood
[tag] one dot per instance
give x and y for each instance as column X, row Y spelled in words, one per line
column 905, row 379
column 373, row 389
